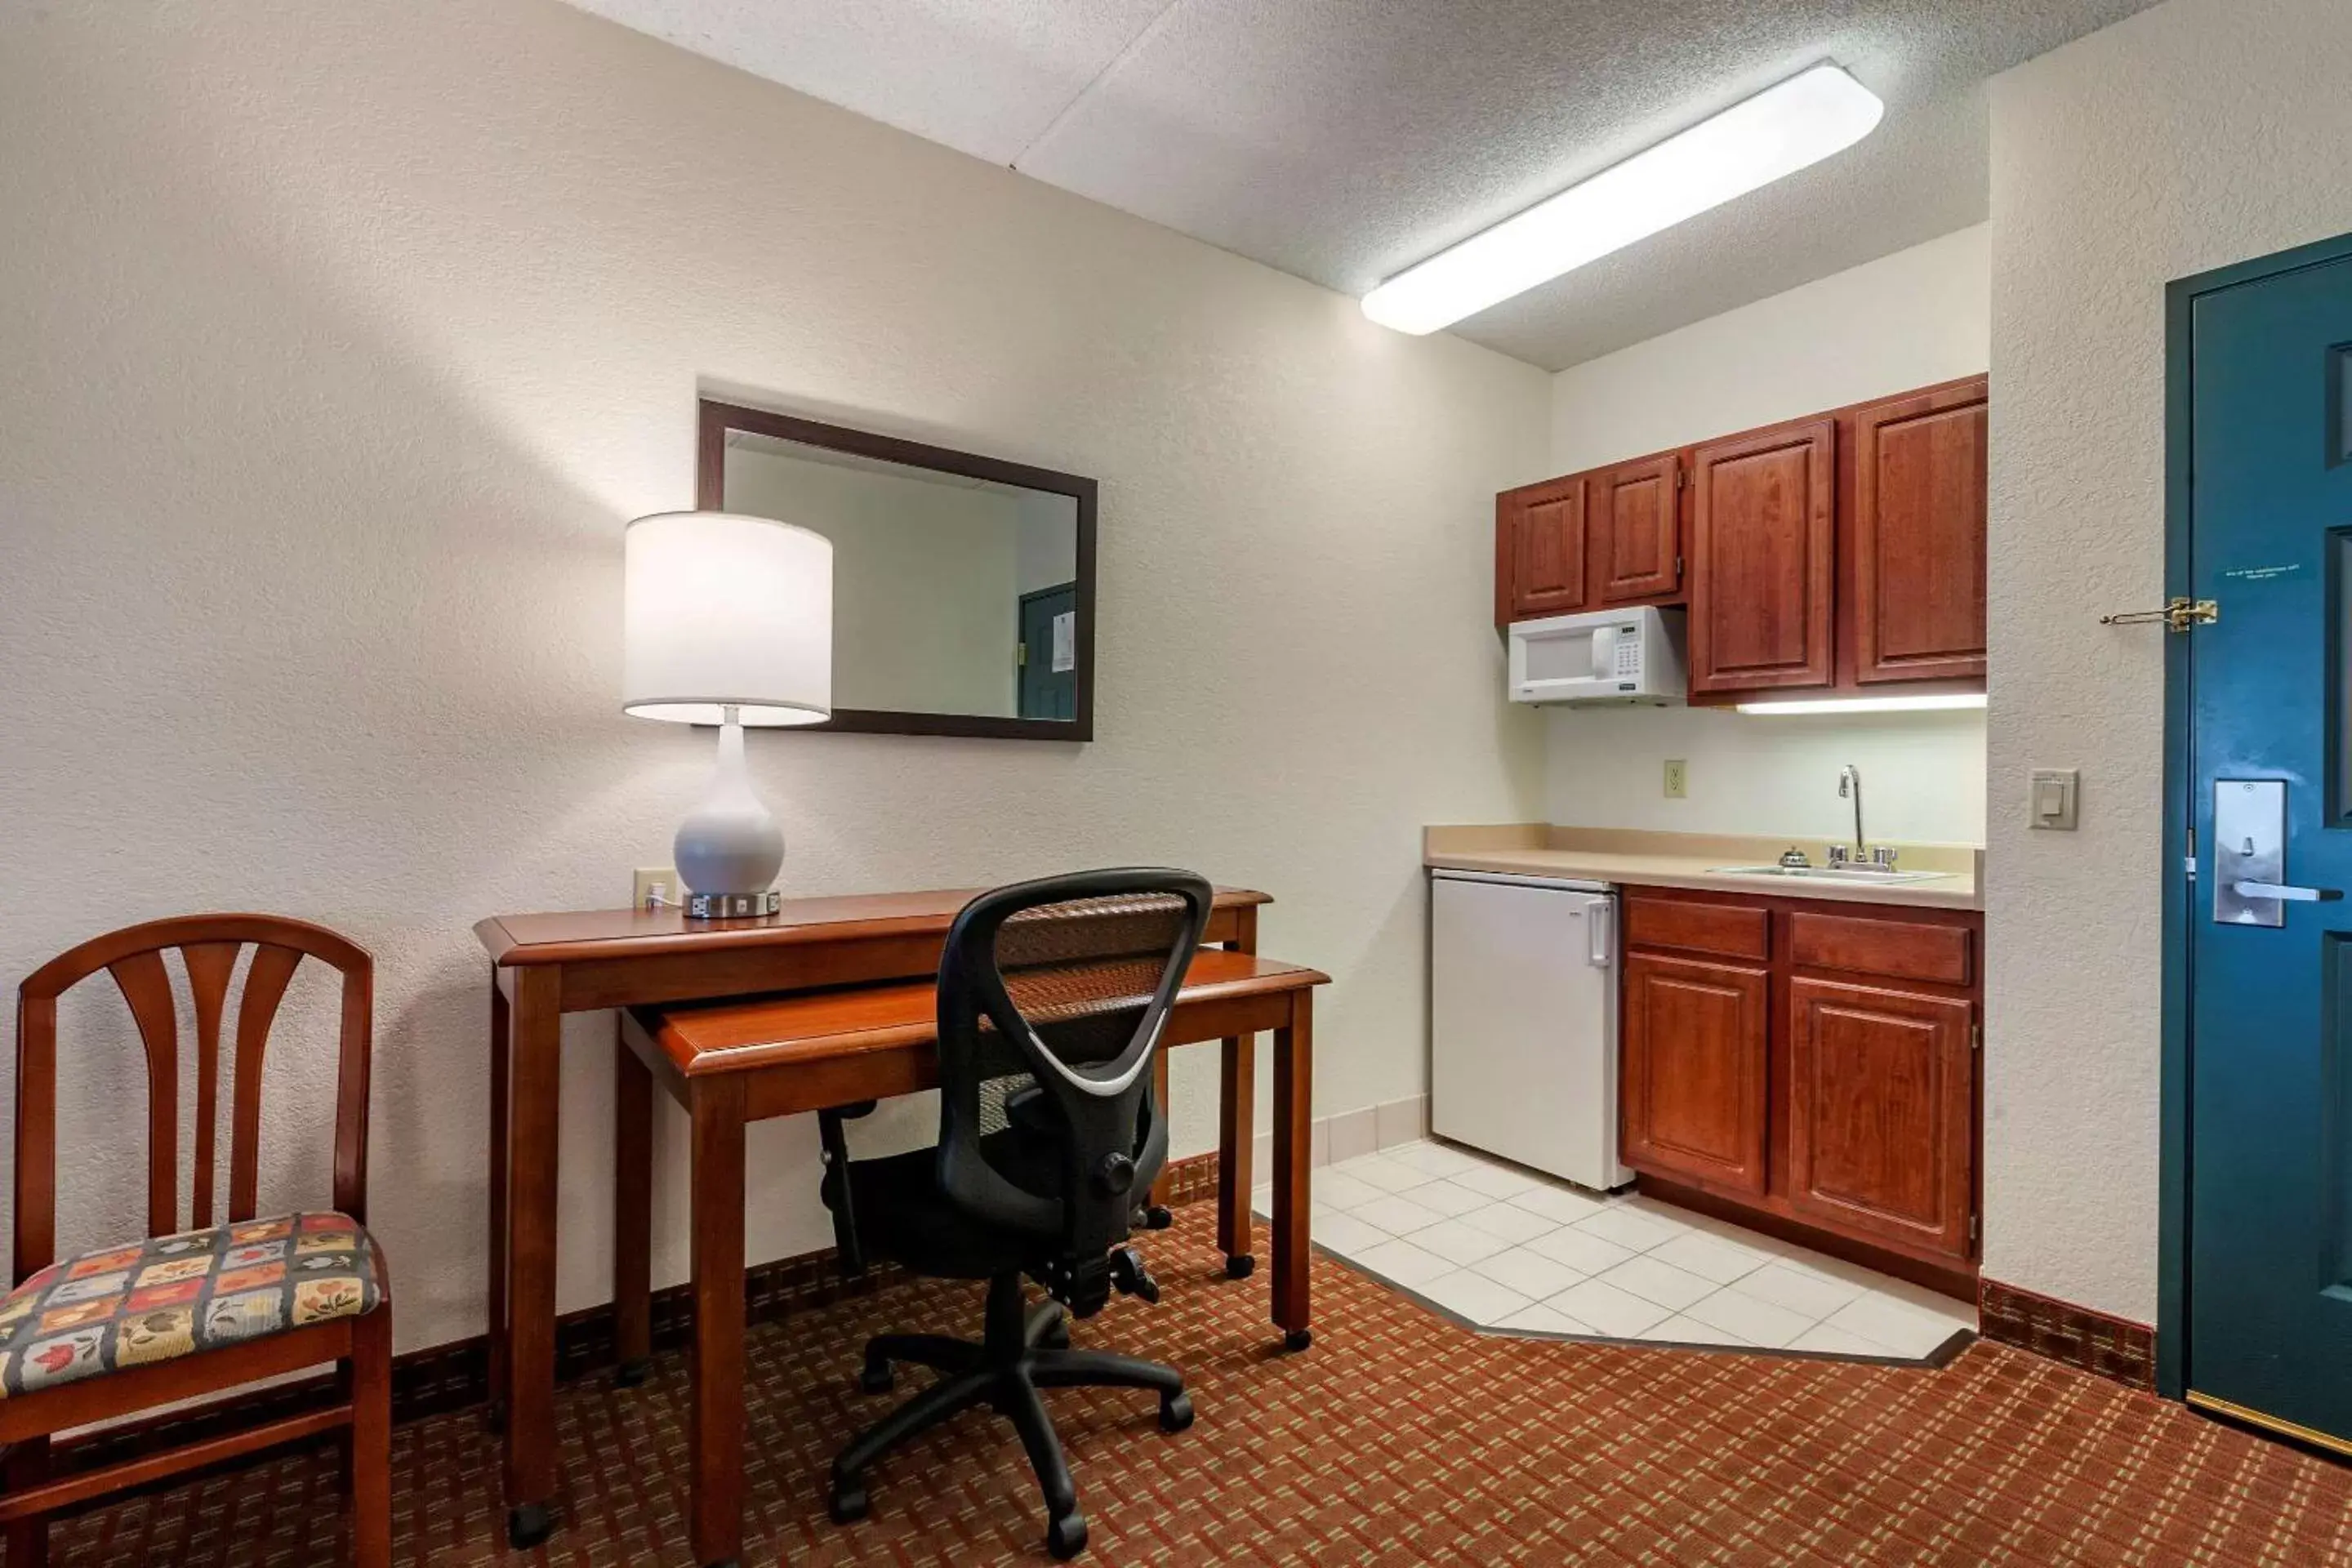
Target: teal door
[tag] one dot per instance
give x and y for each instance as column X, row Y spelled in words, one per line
column 1049, row 678
column 2268, row 1253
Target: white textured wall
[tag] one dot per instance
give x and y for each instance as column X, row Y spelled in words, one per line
column 341, row 340
column 1922, row 773
column 2194, row 135
column 1909, row 319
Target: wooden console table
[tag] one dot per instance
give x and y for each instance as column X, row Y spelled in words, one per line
column 545, row 965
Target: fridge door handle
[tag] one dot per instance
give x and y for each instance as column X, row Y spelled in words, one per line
column 1598, row 930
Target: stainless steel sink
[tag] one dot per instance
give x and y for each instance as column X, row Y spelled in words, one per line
column 1826, row 873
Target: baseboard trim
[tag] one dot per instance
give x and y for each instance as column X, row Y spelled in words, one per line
column 2113, row 1348
column 1345, row 1134
column 438, row 1379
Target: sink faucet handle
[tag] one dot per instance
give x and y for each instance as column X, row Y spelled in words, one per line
column 1883, row 857
column 1839, row 855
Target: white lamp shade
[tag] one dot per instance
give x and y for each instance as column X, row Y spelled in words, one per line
column 721, row 611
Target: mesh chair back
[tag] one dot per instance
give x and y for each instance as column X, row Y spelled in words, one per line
column 1068, row 981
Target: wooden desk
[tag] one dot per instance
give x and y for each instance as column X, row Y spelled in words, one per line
column 545, row 965
column 733, row 1063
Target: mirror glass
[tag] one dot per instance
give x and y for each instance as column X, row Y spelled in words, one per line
column 958, row 601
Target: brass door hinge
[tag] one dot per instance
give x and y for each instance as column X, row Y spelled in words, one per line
column 1976, row 1225
column 2179, row 614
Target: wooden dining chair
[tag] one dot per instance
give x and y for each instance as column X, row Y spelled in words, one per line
column 202, row 1306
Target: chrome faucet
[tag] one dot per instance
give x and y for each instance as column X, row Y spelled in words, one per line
column 1850, row 783
column 1861, row 857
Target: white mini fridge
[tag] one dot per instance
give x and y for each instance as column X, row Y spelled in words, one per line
column 1523, row 1021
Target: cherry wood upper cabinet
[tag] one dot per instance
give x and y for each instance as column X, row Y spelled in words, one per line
column 1881, row 1122
column 1637, row 536
column 1694, row 1048
column 1917, row 536
column 1763, row 536
column 1540, row 547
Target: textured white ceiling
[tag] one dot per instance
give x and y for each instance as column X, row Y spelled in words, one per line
column 1343, row 140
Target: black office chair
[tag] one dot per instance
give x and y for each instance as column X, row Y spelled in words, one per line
column 1052, row 998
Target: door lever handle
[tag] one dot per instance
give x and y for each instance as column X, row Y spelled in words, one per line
column 2285, row 894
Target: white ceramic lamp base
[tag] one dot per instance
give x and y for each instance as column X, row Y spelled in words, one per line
column 730, row 848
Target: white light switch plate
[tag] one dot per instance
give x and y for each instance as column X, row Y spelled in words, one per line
column 2049, row 800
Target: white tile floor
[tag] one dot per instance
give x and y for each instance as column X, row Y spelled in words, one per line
column 1512, row 1250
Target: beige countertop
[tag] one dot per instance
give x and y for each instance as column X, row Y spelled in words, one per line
column 1632, row 858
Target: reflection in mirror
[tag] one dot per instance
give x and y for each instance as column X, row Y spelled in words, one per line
column 959, row 602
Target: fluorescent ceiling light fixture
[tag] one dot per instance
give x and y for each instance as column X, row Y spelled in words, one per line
column 1775, row 133
column 1939, row 704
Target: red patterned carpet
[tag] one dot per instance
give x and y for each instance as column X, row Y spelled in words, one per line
column 1399, row 1438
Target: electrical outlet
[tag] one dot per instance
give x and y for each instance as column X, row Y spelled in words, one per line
column 1677, row 779
column 655, row 888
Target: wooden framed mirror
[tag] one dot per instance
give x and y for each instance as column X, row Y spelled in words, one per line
column 963, row 585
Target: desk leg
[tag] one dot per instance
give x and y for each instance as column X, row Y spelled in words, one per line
column 1236, row 1142
column 1294, row 1109
column 498, row 1247
column 716, row 1424
column 535, row 1038
column 633, row 1216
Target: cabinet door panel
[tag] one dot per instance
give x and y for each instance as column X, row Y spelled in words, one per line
column 1546, row 545
column 1694, row 1070
column 1881, row 1113
column 1637, row 530
column 1762, row 536
column 1919, row 537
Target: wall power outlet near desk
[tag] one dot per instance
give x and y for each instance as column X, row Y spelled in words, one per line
column 655, row 888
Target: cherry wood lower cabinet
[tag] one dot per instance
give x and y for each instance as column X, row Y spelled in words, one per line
column 1692, row 1078
column 1811, row 1066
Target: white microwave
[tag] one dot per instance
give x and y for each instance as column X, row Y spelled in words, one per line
column 1604, row 656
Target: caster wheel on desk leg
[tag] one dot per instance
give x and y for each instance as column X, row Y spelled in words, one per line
column 1157, row 1217
column 1067, row 1536
column 1176, row 1412
column 630, row 1373
column 1240, row 1266
column 1298, row 1338
column 848, row 1504
column 529, row 1525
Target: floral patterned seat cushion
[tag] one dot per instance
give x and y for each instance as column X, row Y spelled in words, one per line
column 176, row 1295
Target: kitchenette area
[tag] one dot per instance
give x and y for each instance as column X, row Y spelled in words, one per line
column 1704, row 1046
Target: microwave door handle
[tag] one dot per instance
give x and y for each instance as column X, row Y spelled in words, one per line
column 1604, row 651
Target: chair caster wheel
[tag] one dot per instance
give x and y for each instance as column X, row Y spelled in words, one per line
column 1298, row 1338
column 1240, row 1266
column 848, row 1504
column 494, row 1415
column 876, row 1377
column 1176, row 1412
column 1158, row 1217
column 630, row 1373
column 1067, row 1536
column 529, row 1525
column 1056, row 1337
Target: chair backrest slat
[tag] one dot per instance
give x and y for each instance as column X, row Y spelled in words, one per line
column 145, row 985
column 209, row 948
column 210, row 965
column 265, row 988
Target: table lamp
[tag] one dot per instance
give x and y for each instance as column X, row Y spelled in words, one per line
column 727, row 620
